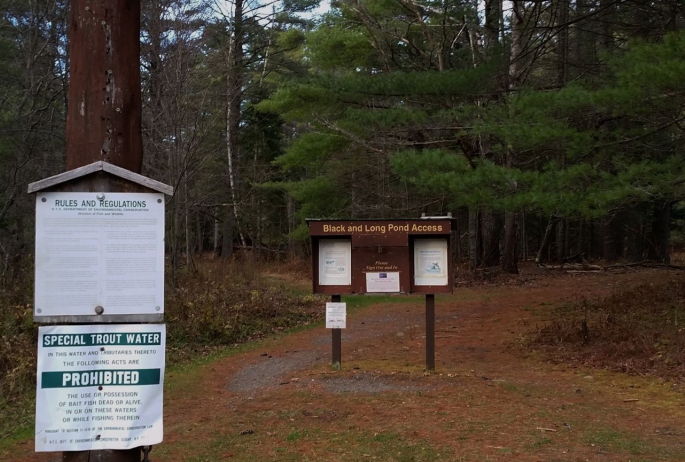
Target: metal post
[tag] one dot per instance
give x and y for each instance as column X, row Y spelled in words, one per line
column 337, row 340
column 430, row 333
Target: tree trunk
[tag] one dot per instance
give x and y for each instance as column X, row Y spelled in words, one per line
column 562, row 42
column 612, row 239
column 492, row 13
column 186, row 222
column 546, row 239
column 200, row 237
column 475, row 249
column 491, row 228
column 561, row 240
column 104, row 110
column 290, row 205
column 234, row 94
column 227, row 243
column 661, row 233
column 510, row 260
column 216, row 232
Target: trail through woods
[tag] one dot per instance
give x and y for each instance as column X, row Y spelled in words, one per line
column 489, row 400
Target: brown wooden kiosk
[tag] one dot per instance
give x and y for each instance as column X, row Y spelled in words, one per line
column 383, row 256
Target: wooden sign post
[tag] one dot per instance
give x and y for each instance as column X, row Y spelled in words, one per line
column 99, row 260
column 104, row 158
column 383, row 256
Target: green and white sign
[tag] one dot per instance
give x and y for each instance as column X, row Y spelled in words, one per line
column 99, row 386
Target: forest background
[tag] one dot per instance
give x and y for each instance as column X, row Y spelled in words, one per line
column 548, row 129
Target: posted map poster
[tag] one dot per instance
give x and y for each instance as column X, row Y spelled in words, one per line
column 99, row 249
column 99, row 386
column 334, row 262
column 430, row 262
column 336, row 315
column 383, row 282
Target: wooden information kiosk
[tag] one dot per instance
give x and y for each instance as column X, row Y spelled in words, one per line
column 383, row 256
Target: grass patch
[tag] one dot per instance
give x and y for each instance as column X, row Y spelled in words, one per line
column 295, row 435
column 616, row 441
column 539, row 442
column 355, row 302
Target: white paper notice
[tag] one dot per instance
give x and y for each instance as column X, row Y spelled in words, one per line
column 335, row 262
column 430, row 262
column 99, row 251
column 383, row 282
column 99, row 387
column 336, row 315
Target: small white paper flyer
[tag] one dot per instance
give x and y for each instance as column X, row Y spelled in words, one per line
column 336, row 315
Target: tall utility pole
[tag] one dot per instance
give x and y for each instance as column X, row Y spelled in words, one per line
column 104, row 112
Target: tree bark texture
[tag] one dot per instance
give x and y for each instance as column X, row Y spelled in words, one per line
column 661, row 233
column 234, row 95
column 104, row 111
column 227, row 242
column 510, row 258
column 491, row 223
column 475, row 249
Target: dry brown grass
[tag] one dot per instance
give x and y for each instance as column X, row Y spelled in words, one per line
column 640, row 330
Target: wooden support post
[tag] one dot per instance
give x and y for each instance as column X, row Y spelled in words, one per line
column 337, row 340
column 131, row 455
column 430, row 333
column 104, row 111
column 104, row 114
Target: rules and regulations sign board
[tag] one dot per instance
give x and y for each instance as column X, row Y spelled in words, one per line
column 99, row 254
column 99, row 386
column 336, row 315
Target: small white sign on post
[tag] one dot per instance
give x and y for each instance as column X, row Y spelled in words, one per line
column 99, row 387
column 336, row 315
column 99, row 254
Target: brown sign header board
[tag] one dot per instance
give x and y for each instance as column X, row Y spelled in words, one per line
column 384, row 228
column 381, row 256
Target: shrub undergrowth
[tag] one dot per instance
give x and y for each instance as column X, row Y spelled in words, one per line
column 638, row 331
column 215, row 305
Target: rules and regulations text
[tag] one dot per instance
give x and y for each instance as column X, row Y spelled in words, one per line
column 99, row 250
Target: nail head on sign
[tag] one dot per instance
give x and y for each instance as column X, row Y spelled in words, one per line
column 44, row 199
column 100, row 196
column 99, row 310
